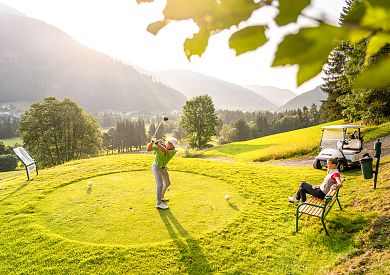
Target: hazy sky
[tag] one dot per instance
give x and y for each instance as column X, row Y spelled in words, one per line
column 118, row 29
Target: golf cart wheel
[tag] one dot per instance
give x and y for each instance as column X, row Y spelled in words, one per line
column 317, row 164
column 341, row 166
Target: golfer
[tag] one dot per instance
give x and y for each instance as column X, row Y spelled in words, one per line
column 331, row 181
column 164, row 153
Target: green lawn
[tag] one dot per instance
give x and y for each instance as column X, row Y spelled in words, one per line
column 285, row 145
column 12, row 141
column 56, row 224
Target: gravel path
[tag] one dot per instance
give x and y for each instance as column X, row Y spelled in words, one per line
column 309, row 161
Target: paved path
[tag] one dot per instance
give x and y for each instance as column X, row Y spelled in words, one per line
column 309, row 161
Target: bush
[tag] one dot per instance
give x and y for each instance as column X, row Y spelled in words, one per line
column 8, row 163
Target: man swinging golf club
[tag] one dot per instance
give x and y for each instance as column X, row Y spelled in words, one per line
column 164, row 153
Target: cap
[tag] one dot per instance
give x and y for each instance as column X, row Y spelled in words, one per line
column 173, row 141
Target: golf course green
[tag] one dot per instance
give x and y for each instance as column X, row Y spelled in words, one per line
column 57, row 224
column 119, row 208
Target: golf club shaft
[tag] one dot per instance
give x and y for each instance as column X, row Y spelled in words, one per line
column 158, row 126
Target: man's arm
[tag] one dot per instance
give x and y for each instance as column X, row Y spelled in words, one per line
column 149, row 146
column 163, row 149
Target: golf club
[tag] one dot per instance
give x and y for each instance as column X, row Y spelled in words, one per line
column 155, row 133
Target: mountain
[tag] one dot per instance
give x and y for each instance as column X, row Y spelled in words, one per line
column 274, row 95
column 9, row 10
column 306, row 99
column 225, row 95
column 38, row 60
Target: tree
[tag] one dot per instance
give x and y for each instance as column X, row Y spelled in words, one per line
column 314, row 116
column 334, row 79
column 309, row 48
column 262, row 125
column 199, row 120
column 243, row 129
column 151, row 130
column 58, row 131
column 227, row 134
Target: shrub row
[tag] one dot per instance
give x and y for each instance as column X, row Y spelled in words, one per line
column 8, row 163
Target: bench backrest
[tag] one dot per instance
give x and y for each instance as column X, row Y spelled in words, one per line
column 354, row 144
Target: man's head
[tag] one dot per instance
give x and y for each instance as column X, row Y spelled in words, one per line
column 171, row 143
column 331, row 163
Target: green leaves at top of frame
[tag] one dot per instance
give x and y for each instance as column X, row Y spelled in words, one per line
column 376, row 76
column 309, row 49
column 247, row 39
column 289, row 10
column 371, row 14
column 197, row 44
column 212, row 16
column 144, row 1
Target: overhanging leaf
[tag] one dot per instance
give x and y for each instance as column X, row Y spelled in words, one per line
column 144, row 1
column 377, row 18
column 197, row 44
column 232, row 12
column 156, row 26
column 356, row 14
column 380, row 3
column 376, row 76
column 376, row 43
column 309, row 47
column 247, row 39
column 289, row 10
column 355, row 35
column 308, row 71
column 189, row 9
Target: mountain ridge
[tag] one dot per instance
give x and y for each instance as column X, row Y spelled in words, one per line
column 307, row 99
column 225, row 95
column 40, row 60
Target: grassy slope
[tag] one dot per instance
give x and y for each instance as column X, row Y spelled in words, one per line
column 284, row 145
column 12, row 141
column 260, row 239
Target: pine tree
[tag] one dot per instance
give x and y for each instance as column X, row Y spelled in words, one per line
column 335, row 80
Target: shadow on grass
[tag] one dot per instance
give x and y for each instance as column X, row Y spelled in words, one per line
column 342, row 230
column 234, row 206
column 191, row 254
column 19, row 188
column 379, row 233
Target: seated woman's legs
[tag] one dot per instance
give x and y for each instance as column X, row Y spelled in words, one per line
column 306, row 188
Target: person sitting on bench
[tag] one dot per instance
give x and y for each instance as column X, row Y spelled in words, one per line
column 331, row 181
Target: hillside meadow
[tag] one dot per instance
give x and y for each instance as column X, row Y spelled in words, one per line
column 55, row 223
column 285, row 145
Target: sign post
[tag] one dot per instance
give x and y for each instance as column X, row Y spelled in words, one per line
column 28, row 162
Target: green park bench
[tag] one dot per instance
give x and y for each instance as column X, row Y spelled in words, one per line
column 318, row 207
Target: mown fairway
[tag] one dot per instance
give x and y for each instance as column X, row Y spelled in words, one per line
column 285, row 145
column 56, row 224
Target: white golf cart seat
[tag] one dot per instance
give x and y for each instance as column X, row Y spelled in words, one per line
column 352, row 147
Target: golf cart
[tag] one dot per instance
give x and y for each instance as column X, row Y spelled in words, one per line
column 344, row 142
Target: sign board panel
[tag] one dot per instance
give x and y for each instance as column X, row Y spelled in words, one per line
column 31, row 168
column 28, row 161
column 23, row 156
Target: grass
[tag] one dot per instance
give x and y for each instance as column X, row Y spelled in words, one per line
column 375, row 132
column 53, row 224
column 284, row 145
column 12, row 141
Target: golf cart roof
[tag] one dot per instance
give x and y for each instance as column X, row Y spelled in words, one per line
column 342, row 126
